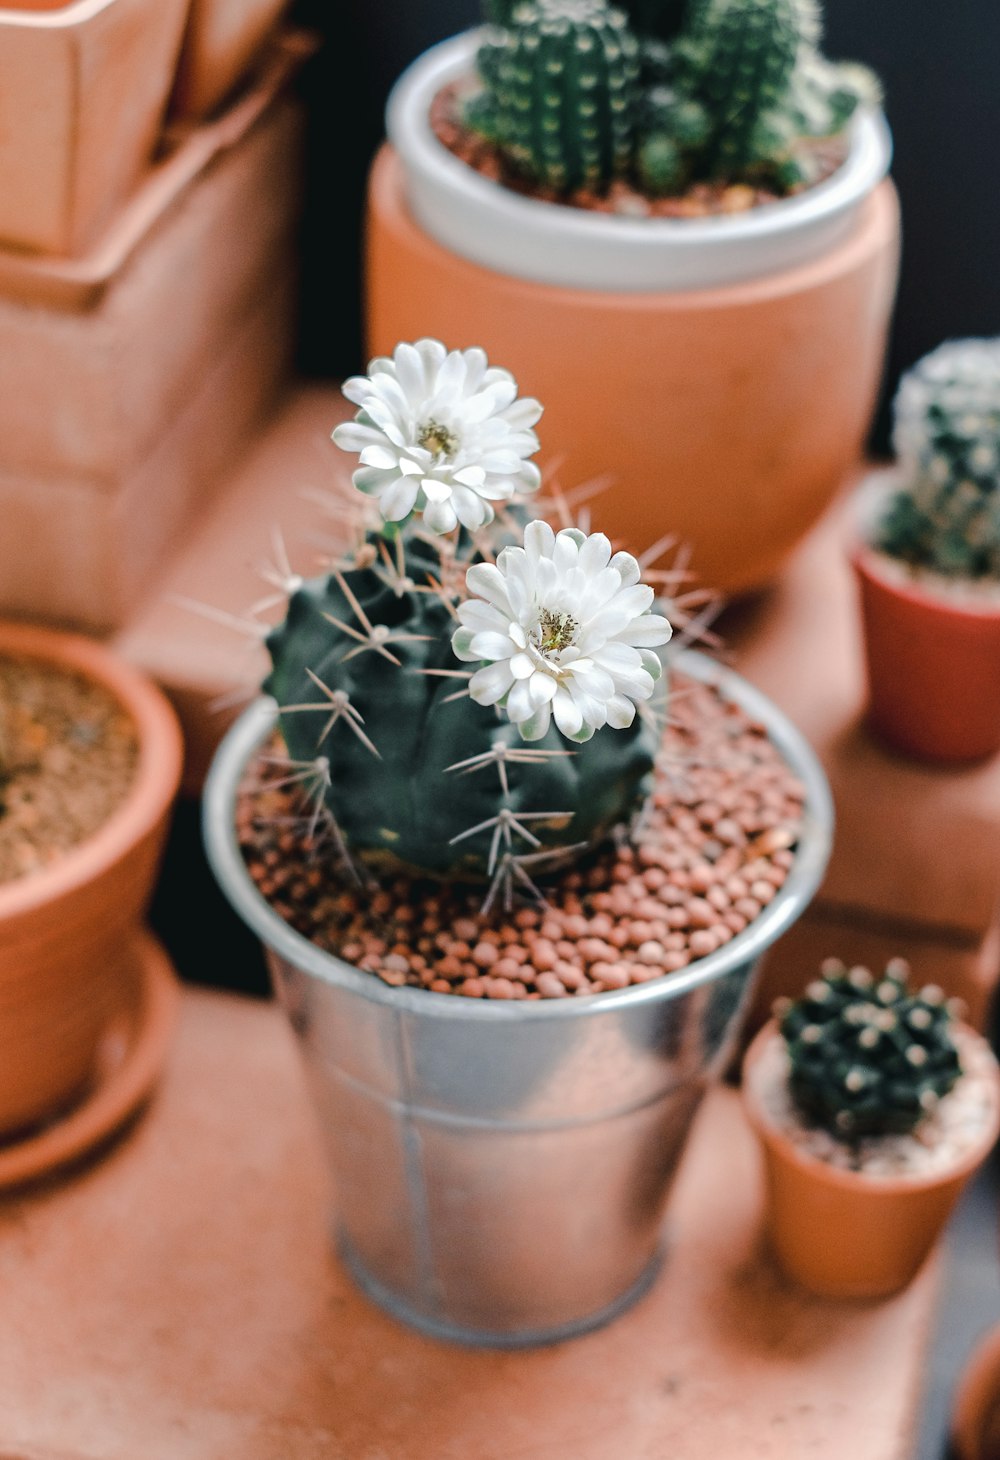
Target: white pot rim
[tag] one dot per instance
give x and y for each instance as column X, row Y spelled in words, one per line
column 553, row 243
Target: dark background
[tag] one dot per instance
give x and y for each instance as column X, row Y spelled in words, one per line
column 938, row 60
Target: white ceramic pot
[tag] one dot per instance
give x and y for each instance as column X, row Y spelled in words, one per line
column 550, row 244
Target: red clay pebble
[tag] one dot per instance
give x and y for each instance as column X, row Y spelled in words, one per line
column 717, row 847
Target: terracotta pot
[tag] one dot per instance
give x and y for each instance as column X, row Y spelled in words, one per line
column 725, row 382
column 843, row 1235
column 221, row 42
column 83, row 90
column 975, row 1429
column 933, row 665
column 67, row 933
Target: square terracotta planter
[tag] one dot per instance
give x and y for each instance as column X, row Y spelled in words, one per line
column 156, row 350
column 221, row 42
column 83, row 90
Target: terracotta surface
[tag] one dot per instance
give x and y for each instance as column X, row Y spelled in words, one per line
column 729, row 417
column 964, row 968
column 83, row 90
column 105, row 487
column 128, row 1063
column 66, row 966
column 216, row 1323
column 933, row 667
column 917, row 850
column 222, row 40
column 839, row 1233
column 975, row 1429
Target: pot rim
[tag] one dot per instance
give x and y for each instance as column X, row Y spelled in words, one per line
column 869, row 561
column 805, row 876
column 835, row 1176
column 157, row 774
column 62, row 17
column 560, row 227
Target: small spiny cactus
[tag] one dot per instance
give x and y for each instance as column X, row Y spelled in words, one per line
column 946, row 515
column 867, row 1055
column 560, row 92
column 738, row 57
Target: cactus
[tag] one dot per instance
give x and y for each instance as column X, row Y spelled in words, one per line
column 738, row 58
column 867, row 1055
column 660, row 19
column 559, row 92
column 405, row 762
column 946, row 515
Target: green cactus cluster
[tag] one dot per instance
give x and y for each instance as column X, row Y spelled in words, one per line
column 411, row 774
column 869, row 1056
column 662, row 92
column 561, row 92
column 945, row 515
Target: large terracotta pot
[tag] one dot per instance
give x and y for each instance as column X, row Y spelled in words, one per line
column 221, row 42
column 83, row 89
column 975, row 1430
column 720, row 373
column 67, row 933
column 844, row 1235
column 933, row 665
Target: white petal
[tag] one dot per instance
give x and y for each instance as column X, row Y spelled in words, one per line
column 483, row 618
column 538, row 726
column 519, row 704
column 539, row 540
column 522, row 666
column 461, row 646
column 542, row 687
column 352, row 436
column 595, row 553
column 471, row 510
column 486, row 580
column 440, row 517
column 621, row 712
column 381, row 456
column 489, row 684
column 628, row 567
column 493, row 646
column 397, row 501
column 649, row 631
column 568, row 715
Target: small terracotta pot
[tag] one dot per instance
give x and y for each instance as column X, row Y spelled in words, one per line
column 83, row 90
column 933, row 665
column 728, row 416
column 843, row 1235
column 67, row 932
column 975, row 1431
column 222, row 39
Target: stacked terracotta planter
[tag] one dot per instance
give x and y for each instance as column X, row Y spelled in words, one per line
column 146, row 267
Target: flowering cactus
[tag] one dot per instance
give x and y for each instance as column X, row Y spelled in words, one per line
column 946, row 515
column 457, row 703
column 868, row 1056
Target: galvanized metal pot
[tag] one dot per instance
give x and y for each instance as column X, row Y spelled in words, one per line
column 501, row 1169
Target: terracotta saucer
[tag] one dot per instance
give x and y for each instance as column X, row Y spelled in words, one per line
column 129, row 1063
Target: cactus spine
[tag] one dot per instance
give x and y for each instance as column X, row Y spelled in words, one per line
column 867, row 1055
column 409, row 773
column 560, row 90
column 946, row 515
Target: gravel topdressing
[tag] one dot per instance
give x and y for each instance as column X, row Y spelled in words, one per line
column 68, row 754
column 712, row 849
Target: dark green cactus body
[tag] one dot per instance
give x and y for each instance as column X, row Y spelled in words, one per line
column 946, row 516
column 403, row 808
column 738, row 57
column 868, row 1057
column 560, row 90
column 661, row 19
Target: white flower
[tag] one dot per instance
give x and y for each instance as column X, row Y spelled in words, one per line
column 440, row 433
column 565, row 631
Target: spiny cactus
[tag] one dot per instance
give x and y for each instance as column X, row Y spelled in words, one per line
column 737, row 57
column 867, row 1055
column 408, row 766
column 560, row 92
column 946, row 515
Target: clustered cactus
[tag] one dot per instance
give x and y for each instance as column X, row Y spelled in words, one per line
column 663, row 92
column 867, row 1055
column 945, row 516
column 454, row 703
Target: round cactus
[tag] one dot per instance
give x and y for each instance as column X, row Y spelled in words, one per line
column 946, row 515
column 377, row 719
column 867, row 1055
column 560, row 91
column 738, row 58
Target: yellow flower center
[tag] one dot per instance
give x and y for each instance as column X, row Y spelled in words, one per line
column 437, row 439
column 555, row 630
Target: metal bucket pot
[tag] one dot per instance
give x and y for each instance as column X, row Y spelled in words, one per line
column 501, row 1169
